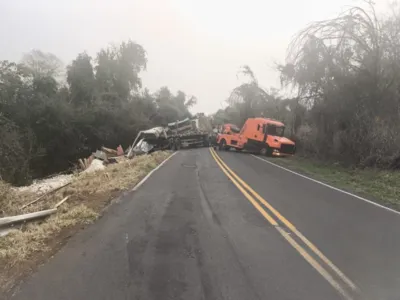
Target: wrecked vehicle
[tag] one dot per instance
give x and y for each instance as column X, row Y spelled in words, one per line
column 149, row 140
column 185, row 133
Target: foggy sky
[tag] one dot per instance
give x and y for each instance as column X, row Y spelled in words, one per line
column 193, row 45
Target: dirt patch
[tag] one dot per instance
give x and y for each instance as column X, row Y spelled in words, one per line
column 30, row 245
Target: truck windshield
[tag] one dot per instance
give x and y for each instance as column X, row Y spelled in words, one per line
column 275, row 130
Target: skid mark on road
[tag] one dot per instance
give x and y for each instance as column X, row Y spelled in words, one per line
column 248, row 192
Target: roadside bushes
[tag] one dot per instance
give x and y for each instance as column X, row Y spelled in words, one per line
column 47, row 124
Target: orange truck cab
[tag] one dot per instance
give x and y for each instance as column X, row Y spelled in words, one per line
column 260, row 135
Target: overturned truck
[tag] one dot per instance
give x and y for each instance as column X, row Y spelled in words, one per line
column 188, row 133
column 185, row 133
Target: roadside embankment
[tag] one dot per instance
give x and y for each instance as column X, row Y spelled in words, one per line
column 71, row 205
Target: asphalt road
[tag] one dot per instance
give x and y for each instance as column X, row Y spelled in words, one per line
column 191, row 232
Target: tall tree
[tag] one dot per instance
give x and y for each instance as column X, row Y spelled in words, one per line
column 118, row 68
column 42, row 64
column 81, row 81
column 346, row 73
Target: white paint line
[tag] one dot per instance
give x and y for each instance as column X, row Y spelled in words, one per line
column 152, row 171
column 329, row 186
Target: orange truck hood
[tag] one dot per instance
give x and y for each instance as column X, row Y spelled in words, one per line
column 283, row 140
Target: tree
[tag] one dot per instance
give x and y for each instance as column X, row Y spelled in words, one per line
column 345, row 71
column 81, row 81
column 42, row 64
column 171, row 108
column 251, row 100
column 118, row 69
column 45, row 126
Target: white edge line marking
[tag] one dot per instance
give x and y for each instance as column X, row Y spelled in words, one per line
column 329, row 186
column 152, row 171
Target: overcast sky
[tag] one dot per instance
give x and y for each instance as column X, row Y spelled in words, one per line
column 193, row 45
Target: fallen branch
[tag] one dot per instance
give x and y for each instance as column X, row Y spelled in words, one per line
column 7, row 221
column 44, row 195
column 61, row 202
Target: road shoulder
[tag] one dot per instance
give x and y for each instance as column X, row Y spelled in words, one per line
column 379, row 186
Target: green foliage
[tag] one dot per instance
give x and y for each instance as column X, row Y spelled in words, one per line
column 81, row 81
column 346, row 71
column 346, row 74
column 118, row 68
column 171, row 108
column 46, row 127
column 40, row 64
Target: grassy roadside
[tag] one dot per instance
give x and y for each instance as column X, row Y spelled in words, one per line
column 23, row 249
column 381, row 186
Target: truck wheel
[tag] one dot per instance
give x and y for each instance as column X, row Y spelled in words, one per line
column 269, row 151
column 178, row 144
column 266, row 151
column 222, row 145
column 206, row 143
column 172, row 145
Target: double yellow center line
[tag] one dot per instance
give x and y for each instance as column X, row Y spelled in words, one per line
column 260, row 204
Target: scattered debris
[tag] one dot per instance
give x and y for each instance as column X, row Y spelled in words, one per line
column 120, row 151
column 100, row 155
column 40, row 187
column 85, row 163
column 96, row 165
column 142, row 147
column 109, row 151
column 82, row 164
column 147, row 140
column 111, row 160
column 46, row 194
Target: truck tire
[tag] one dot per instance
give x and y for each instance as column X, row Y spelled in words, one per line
column 171, row 144
column 266, row 151
column 206, row 142
column 176, row 145
column 222, row 145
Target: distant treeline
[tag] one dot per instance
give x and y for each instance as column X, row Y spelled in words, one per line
column 47, row 122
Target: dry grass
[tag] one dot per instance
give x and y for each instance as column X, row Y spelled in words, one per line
column 89, row 193
column 119, row 176
column 19, row 244
column 116, row 177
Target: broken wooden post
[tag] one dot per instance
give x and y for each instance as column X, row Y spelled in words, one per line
column 26, row 217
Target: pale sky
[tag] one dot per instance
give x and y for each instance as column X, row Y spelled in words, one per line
column 196, row 46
